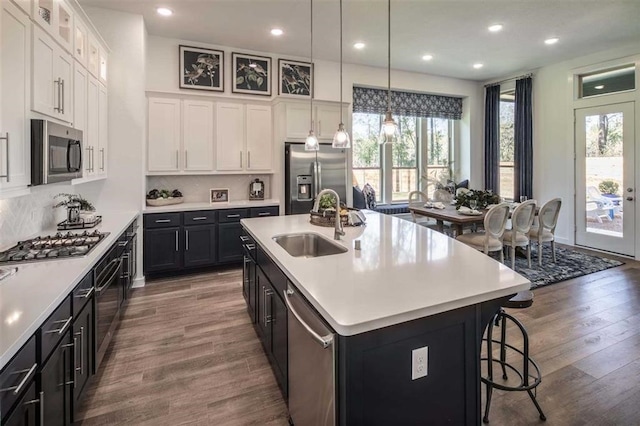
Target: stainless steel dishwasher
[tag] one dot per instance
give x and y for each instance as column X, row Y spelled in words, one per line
column 312, row 382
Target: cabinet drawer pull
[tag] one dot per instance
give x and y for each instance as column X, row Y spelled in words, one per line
column 62, row 329
column 7, row 175
column 232, row 216
column 240, row 159
column 244, row 238
column 102, row 159
column 42, row 408
column 62, row 97
column 176, row 240
column 16, row 389
column 248, row 159
column 251, row 246
column 200, row 218
column 264, row 214
column 163, row 221
column 81, row 334
column 58, row 83
column 186, row 237
column 87, row 294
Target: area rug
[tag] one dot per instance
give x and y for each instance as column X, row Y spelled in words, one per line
column 569, row 264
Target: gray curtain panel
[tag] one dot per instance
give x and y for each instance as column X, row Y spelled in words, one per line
column 492, row 138
column 370, row 100
column 523, row 135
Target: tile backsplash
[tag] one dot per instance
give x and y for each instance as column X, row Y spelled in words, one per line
column 23, row 217
column 196, row 188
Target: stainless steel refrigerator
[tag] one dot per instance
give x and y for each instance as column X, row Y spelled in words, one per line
column 309, row 172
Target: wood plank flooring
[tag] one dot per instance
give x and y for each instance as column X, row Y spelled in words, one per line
column 186, row 354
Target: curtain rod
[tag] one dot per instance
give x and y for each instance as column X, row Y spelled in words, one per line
column 509, row 79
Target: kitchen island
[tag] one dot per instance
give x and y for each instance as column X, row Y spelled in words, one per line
column 408, row 287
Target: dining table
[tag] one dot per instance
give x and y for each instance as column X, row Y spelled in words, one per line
column 449, row 214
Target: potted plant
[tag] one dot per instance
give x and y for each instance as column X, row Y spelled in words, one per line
column 483, row 198
column 77, row 206
column 609, row 188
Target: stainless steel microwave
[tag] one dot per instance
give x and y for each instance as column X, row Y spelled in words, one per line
column 56, row 152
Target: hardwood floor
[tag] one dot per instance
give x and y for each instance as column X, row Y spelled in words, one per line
column 186, row 354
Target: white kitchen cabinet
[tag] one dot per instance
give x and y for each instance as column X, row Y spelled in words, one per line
column 91, row 136
column 102, row 66
column 80, row 42
column 103, row 130
column 25, row 5
column 326, row 117
column 80, row 83
column 52, row 80
column 259, row 144
column 244, row 137
column 230, row 134
column 56, row 18
column 197, row 135
column 93, row 56
column 163, row 148
column 15, row 146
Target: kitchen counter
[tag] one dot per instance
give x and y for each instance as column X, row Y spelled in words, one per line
column 402, row 272
column 35, row 291
column 183, row 207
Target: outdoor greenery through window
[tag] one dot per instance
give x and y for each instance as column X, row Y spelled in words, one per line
column 423, row 152
column 507, row 184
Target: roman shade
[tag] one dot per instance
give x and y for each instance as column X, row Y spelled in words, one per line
column 370, row 100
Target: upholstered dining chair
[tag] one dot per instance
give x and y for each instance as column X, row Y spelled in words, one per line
column 495, row 221
column 544, row 232
column 417, row 198
column 518, row 235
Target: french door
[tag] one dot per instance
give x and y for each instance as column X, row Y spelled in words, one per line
column 605, row 178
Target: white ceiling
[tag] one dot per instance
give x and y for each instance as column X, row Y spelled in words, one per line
column 453, row 31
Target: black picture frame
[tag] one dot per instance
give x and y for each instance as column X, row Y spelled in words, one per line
column 251, row 74
column 295, row 79
column 201, row 69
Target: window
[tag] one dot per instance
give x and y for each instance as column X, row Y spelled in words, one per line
column 423, row 154
column 507, row 183
column 608, row 81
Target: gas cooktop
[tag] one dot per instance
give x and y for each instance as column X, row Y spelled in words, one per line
column 59, row 246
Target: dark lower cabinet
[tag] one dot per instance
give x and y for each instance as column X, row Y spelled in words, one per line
column 199, row 245
column 84, row 354
column 229, row 245
column 271, row 324
column 162, row 250
column 26, row 411
column 56, row 383
column 249, row 286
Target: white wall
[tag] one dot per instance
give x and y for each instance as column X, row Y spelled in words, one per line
column 162, row 59
column 553, row 132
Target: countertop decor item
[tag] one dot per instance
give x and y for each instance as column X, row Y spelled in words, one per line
column 164, row 197
column 45, row 14
column 218, row 195
column 75, row 204
column 256, row 190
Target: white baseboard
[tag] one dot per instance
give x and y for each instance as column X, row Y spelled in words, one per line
column 138, row 282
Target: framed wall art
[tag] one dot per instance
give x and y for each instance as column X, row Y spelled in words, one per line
column 201, row 69
column 295, row 79
column 251, row 74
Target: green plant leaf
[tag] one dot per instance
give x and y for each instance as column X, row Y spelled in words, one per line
column 260, row 80
column 239, row 80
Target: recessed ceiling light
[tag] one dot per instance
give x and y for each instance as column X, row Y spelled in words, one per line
column 478, row 66
column 277, row 32
column 359, row 45
column 495, row 28
column 600, row 87
column 164, row 11
column 427, row 57
column 552, row 40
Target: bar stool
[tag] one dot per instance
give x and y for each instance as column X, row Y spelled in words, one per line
column 529, row 372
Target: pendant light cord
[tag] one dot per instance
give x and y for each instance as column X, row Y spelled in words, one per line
column 312, row 70
column 341, row 121
column 389, row 55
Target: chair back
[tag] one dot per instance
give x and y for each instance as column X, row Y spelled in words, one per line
column 495, row 220
column 417, row 197
column 548, row 215
column 522, row 217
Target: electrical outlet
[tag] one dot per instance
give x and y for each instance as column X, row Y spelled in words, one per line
column 419, row 362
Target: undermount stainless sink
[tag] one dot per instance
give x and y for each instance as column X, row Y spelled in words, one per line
column 308, row 245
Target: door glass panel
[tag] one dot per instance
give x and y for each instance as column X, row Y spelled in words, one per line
column 604, row 174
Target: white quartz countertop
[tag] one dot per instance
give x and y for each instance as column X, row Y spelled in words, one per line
column 402, row 272
column 35, row 291
column 183, row 207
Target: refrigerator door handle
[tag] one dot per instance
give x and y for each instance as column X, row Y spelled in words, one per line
column 316, row 179
column 320, row 188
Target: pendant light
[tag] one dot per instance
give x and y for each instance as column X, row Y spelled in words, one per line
column 389, row 131
column 341, row 137
column 311, row 143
